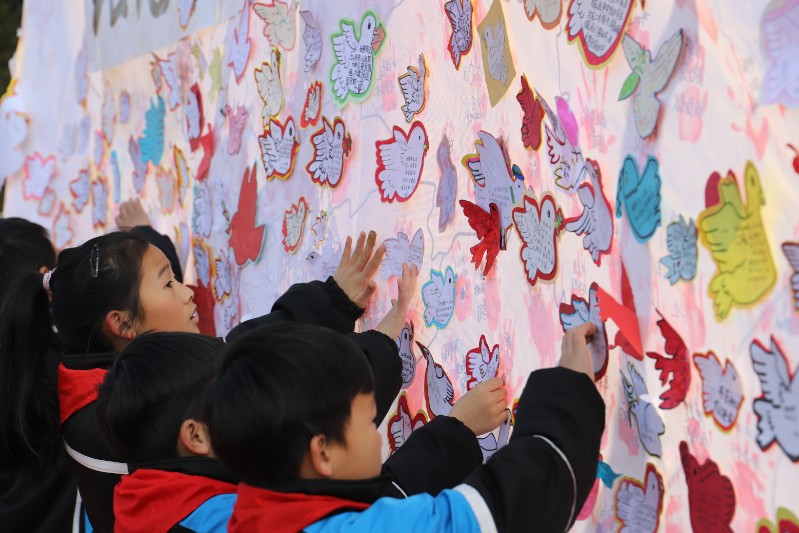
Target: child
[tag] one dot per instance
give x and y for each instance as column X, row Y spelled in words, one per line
column 160, row 431
column 113, row 287
column 292, row 411
column 37, row 491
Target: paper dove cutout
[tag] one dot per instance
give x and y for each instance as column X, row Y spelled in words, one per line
column 270, row 86
column 438, row 391
column 204, row 299
column 438, row 296
column 639, row 193
column 39, row 172
column 294, row 224
column 786, row 521
column 202, row 262
column 151, row 143
column 711, row 498
column 353, row 68
column 401, row 425
column 167, row 186
column 79, row 189
column 182, row 171
column 780, row 43
column 605, row 473
column 539, row 229
column 281, row 23
column 237, row 121
column 598, row 25
column 319, row 228
column 735, row 236
column 791, row 251
column 312, row 39
column 169, row 74
column 564, row 156
column 279, row 147
column 447, row 184
column 401, row 250
column 489, row 444
column 459, row 13
column 412, row 85
column 532, row 116
column 482, row 363
column 47, row 203
column 246, row 237
column 649, row 77
column 400, row 161
column 681, row 242
column 224, row 270
column 139, row 166
column 240, row 49
column 193, row 109
column 324, row 263
column 116, row 176
column 647, row 420
column 776, row 408
column 405, row 347
column 676, row 370
column 13, row 130
column 331, row 146
column 596, row 220
column 495, row 181
column 722, row 391
column 548, row 11
column 99, row 202
column 207, row 144
column 639, row 504
column 489, row 233
column 312, row 108
column 494, row 38
column 579, row 312
column 62, row 228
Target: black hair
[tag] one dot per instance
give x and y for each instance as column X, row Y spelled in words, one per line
column 151, row 389
column 24, row 247
column 90, row 280
column 279, row 385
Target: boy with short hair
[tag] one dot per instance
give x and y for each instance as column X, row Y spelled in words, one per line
column 292, row 411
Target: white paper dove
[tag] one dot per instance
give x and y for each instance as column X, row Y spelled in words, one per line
column 354, row 63
column 438, row 296
column 482, row 364
column 413, row 89
column 241, row 47
column 438, row 388
column 791, row 251
column 330, row 148
column 270, row 87
column 495, row 41
column 279, row 146
column 401, row 250
column 312, row 39
column 400, row 162
column 281, row 22
column 566, row 160
column 776, row 409
column 596, row 220
column 647, row 419
column 405, row 347
column 681, row 242
column 722, row 391
column 638, row 505
column 459, row 13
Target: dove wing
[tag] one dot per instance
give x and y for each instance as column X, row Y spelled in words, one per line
column 791, row 251
column 772, row 369
column 323, row 141
column 710, row 371
column 628, row 500
column 454, row 9
column 587, row 221
column 639, row 385
column 663, row 65
column 579, row 11
column 723, row 238
column 432, row 291
column 344, row 44
column 632, row 51
column 408, row 85
column 391, row 155
column 492, row 161
column 579, row 316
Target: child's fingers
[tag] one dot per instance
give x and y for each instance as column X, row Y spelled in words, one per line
column 366, row 293
column 345, row 255
column 358, row 251
column 492, row 384
column 374, row 263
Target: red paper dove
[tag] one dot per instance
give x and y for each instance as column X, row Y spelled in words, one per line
column 678, row 366
column 246, row 238
column 486, row 225
column 207, row 143
column 204, row 299
column 532, row 118
column 711, row 499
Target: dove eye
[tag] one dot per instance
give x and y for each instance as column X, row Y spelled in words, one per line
column 369, row 26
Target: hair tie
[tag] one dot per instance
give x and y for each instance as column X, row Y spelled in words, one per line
column 46, row 280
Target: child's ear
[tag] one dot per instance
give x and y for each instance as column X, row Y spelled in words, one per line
column 119, row 325
column 320, row 457
column 194, row 439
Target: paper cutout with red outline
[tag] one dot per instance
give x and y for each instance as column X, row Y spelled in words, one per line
column 628, row 338
column 279, row 148
column 100, row 202
column 591, row 17
column 195, row 118
column 438, row 392
column 722, row 391
column 241, row 48
column 678, row 366
column 62, row 230
column 596, row 220
column 312, row 108
column 79, row 188
column 539, row 256
column 638, row 504
column 280, row 24
column 711, row 498
column 580, row 311
column 546, row 11
column 207, row 142
column 332, row 146
column 532, row 116
column 246, row 238
column 459, row 13
column 401, row 424
column 482, row 364
column 400, row 163
column 237, row 121
column 204, row 299
column 37, row 178
column 486, row 226
column 47, row 203
column 293, row 225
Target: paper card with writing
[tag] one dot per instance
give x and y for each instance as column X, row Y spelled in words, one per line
column 639, row 194
column 401, row 424
column 167, row 189
column 246, row 236
column 270, row 87
column 151, row 143
column 778, row 404
column 39, row 171
column 548, row 11
column 413, row 85
column 438, row 297
column 447, row 183
column 580, row 311
column 408, row 357
column 401, row 250
column 735, row 236
column 62, row 228
column 332, row 146
column 595, row 223
column 539, row 225
column 675, row 369
column 99, row 198
column 482, row 363
column 312, row 39
column 711, row 498
column 400, row 161
column 598, row 25
column 565, row 157
column 312, row 109
column 439, row 394
column 681, row 243
column 649, row 77
column 459, row 13
column 279, row 147
column 280, row 22
column 354, row 50
column 639, row 406
column 791, row 251
column 324, row 263
column 194, row 116
column 79, row 189
column 224, row 272
column 638, row 504
column 495, row 49
column 236, row 120
column 240, row 49
column 722, row 390
column 780, row 42
column 294, row 224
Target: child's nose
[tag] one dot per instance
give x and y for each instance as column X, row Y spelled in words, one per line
column 189, row 293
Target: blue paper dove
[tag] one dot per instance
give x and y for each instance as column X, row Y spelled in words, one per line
column 681, row 261
column 640, row 194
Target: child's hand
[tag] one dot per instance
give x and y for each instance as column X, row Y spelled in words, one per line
column 482, row 409
column 392, row 323
column 132, row 214
column 357, row 268
column 574, row 353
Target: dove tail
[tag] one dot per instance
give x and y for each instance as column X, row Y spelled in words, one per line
column 766, row 431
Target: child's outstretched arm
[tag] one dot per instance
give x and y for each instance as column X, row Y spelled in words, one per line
column 443, row 452
column 335, row 303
